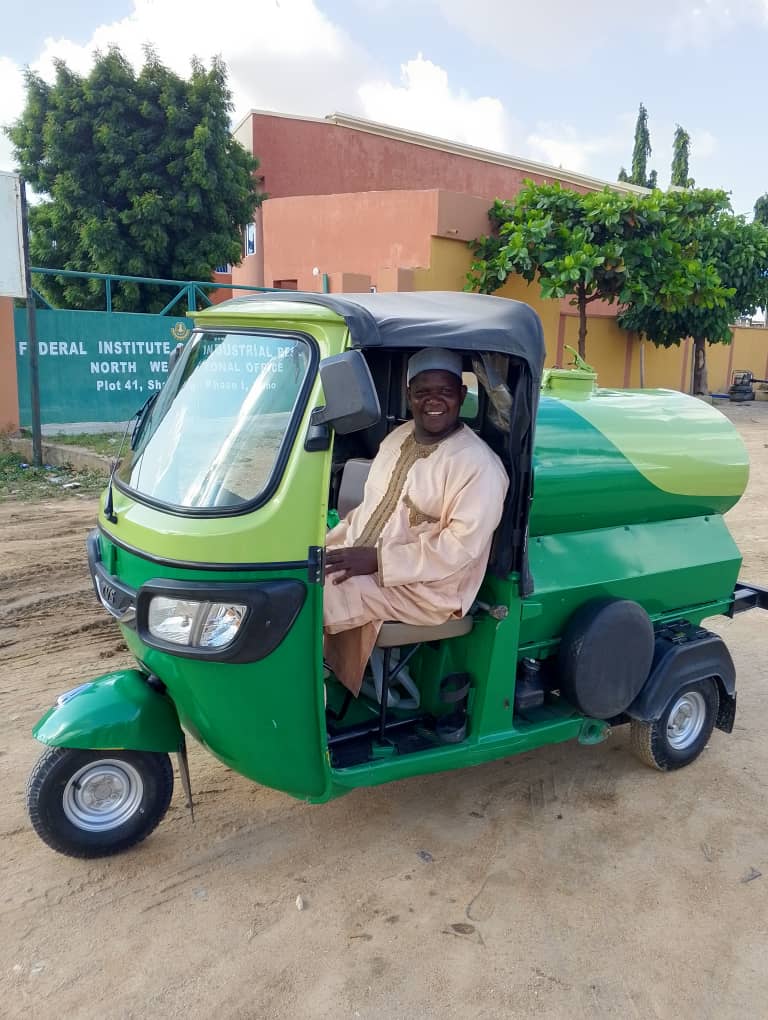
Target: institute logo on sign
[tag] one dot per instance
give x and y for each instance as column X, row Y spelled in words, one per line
column 180, row 331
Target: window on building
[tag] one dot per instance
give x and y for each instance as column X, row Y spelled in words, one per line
column 286, row 284
column 249, row 238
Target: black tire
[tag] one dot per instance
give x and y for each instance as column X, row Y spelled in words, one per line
column 673, row 741
column 97, row 803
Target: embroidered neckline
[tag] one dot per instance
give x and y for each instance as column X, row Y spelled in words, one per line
column 459, row 428
column 410, row 452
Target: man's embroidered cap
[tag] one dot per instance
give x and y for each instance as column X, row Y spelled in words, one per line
column 434, row 359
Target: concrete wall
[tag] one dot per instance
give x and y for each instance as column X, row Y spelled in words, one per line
column 9, row 399
column 612, row 351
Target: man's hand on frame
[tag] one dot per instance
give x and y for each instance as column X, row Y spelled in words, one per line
column 348, row 562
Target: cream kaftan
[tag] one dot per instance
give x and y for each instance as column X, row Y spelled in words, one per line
column 430, row 511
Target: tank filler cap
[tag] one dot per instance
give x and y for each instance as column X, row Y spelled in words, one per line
column 578, row 382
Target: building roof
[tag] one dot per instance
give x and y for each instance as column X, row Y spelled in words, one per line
column 398, row 134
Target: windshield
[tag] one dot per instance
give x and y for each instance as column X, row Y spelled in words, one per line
column 216, row 434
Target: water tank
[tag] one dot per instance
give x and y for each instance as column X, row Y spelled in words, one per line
column 610, row 457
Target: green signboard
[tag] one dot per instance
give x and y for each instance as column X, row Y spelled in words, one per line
column 95, row 366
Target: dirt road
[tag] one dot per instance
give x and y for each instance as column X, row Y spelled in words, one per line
column 569, row 882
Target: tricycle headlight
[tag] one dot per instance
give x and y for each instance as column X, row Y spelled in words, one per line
column 173, row 619
column 221, row 624
column 196, row 624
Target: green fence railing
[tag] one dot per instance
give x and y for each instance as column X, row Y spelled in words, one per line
column 191, row 290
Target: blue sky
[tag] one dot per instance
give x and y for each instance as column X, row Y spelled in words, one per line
column 557, row 82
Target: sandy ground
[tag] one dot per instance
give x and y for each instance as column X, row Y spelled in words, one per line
column 569, row 882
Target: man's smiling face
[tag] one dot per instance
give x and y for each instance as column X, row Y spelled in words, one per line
column 435, row 398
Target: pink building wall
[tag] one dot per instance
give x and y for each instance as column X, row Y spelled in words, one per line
column 378, row 236
column 306, row 157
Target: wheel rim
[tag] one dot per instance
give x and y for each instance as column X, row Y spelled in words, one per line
column 103, row 795
column 686, row 720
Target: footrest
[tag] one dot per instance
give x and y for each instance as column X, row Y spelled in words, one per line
column 455, row 688
column 452, row 729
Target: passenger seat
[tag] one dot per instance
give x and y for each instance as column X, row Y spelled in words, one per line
column 352, row 485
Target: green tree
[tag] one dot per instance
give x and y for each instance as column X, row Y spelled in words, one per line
column 642, row 148
column 761, row 210
column 574, row 245
column 640, row 153
column 681, row 151
column 138, row 174
column 643, row 251
column 719, row 258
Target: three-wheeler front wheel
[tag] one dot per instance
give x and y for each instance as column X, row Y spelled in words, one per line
column 97, row 803
column 682, row 732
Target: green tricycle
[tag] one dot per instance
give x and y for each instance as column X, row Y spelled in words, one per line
column 209, row 552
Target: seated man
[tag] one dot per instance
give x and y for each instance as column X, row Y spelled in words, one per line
column 416, row 548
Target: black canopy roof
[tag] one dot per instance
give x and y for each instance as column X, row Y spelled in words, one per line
column 461, row 321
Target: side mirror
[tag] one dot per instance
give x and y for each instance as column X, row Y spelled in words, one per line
column 351, row 401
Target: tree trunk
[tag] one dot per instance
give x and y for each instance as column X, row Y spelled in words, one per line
column 700, row 387
column 642, row 360
column 581, row 301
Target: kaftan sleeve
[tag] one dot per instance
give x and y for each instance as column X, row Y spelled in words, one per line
column 337, row 537
column 473, row 514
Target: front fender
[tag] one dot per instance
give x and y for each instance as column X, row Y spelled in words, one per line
column 116, row 711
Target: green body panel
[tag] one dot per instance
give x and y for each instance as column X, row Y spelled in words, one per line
column 489, row 653
column 669, row 567
column 250, row 312
column 549, row 728
column 590, row 475
column 263, row 719
column 115, row 711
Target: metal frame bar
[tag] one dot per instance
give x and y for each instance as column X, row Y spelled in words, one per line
column 368, row 730
column 42, row 300
column 746, row 597
column 174, row 301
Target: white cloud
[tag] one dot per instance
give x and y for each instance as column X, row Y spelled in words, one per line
column 284, row 55
column 705, row 23
column 561, row 145
column 424, row 101
column 538, row 34
column 703, row 144
column 11, row 104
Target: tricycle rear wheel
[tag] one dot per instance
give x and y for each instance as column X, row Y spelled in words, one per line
column 97, row 803
column 682, row 732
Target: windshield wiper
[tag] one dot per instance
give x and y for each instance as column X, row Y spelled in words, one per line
column 138, row 418
column 141, row 418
